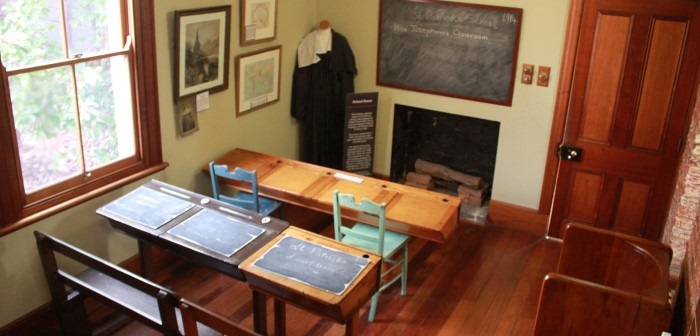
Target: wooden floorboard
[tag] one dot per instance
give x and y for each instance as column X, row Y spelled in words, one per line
column 484, row 281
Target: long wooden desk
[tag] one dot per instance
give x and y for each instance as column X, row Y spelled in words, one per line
column 153, row 214
column 191, row 226
column 224, row 237
column 416, row 212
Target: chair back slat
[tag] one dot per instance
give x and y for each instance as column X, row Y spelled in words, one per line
column 372, row 208
column 238, row 174
column 246, row 179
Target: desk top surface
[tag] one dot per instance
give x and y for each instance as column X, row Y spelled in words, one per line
column 417, row 212
column 358, row 287
column 192, row 225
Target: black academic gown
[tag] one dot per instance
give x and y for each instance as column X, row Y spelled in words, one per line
column 318, row 103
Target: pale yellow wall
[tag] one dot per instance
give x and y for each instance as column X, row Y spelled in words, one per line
column 525, row 126
column 269, row 130
column 521, row 153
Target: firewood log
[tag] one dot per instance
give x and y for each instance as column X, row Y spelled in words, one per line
column 418, row 185
column 446, row 173
column 466, row 191
column 419, row 178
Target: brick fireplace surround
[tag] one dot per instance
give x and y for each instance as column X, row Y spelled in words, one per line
column 682, row 230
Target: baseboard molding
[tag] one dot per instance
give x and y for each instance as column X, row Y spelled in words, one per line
column 509, row 215
column 517, row 217
column 40, row 321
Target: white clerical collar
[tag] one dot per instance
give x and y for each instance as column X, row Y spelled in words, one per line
column 318, row 42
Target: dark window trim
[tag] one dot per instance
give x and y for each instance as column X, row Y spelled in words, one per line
column 14, row 213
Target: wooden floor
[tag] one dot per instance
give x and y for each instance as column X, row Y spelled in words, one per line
column 484, row 281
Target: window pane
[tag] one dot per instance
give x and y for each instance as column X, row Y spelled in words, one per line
column 93, row 26
column 106, row 114
column 30, row 32
column 46, row 125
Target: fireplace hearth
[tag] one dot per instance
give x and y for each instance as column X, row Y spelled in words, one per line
column 462, row 144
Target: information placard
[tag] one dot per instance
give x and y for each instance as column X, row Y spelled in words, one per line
column 360, row 121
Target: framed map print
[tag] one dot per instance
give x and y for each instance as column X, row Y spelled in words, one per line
column 257, row 79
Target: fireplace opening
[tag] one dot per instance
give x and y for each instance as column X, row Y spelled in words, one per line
column 447, row 153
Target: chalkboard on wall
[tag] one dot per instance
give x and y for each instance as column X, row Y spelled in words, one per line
column 454, row 49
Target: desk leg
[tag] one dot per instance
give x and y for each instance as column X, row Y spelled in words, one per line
column 146, row 259
column 259, row 313
column 351, row 325
column 280, row 318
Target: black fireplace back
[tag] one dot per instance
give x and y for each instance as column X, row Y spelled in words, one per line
column 465, row 144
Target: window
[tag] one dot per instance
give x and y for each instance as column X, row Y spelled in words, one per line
column 76, row 119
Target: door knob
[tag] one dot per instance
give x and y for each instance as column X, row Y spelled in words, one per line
column 570, row 153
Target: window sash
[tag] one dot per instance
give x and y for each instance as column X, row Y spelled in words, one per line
column 85, row 171
column 17, row 209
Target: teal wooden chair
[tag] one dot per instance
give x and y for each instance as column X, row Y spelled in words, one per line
column 246, row 200
column 392, row 246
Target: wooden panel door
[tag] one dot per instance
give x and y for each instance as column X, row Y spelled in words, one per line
column 634, row 77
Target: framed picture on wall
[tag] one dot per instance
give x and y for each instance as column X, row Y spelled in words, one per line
column 257, row 79
column 187, row 116
column 202, row 44
column 258, row 21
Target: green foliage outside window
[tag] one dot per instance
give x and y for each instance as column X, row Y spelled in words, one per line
column 65, row 117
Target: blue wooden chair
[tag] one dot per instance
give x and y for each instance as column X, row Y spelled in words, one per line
column 387, row 244
column 247, row 200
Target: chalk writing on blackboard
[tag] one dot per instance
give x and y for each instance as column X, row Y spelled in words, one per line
column 454, row 49
column 217, row 232
column 147, row 207
column 313, row 264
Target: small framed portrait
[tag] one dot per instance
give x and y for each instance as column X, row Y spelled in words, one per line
column 258, row 21
column 257, row 79
column 187, row 116
column 202, row 44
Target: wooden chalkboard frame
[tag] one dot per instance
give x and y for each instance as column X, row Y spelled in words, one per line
column 459, row 50
column 313, row 264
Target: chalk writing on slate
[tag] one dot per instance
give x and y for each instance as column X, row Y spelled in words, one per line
column 316, row 265
column 448, row 48
column 217, row 232
column 148, row 207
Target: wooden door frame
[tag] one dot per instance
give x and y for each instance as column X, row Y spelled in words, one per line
column 561, row 107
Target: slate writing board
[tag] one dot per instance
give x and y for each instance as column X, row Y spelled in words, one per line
column 217, row 232
column 313, row 264
column 454, row 49
column 148, row 207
